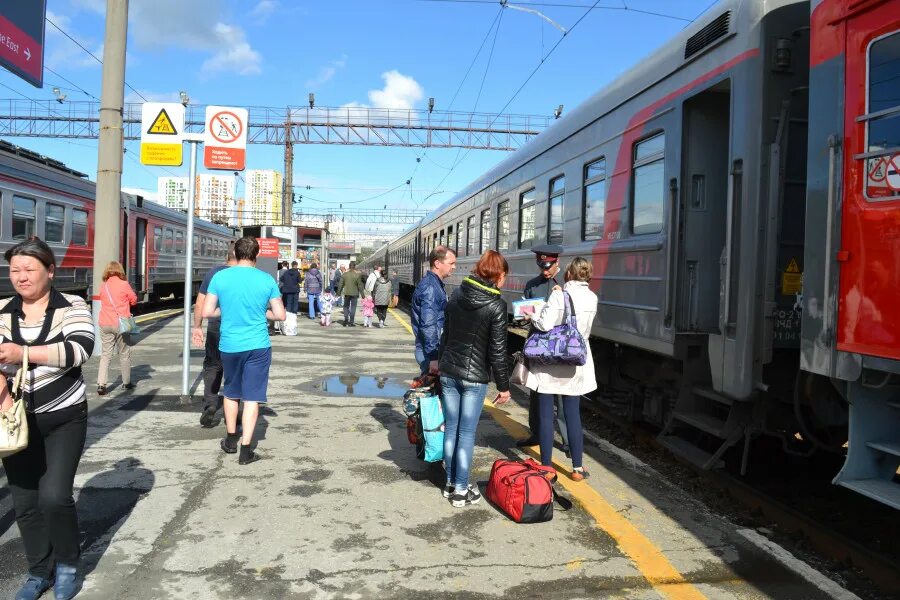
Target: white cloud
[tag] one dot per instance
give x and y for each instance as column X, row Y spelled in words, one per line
column 236, row 57
column 399, row 91
column 61, row 20
column 327, row 73
column 98, row 6
column 263, row 10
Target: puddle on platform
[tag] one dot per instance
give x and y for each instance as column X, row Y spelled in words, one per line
column 362, row 385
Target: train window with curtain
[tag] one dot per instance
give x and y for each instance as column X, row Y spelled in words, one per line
column 79, row 227
column 157, row 238
column 54, row 223
column 883, row 116
column 594, row 199
column 485, row 230
column 555, row 210
column 179, row 242
column 503, row 226
column 471, row 238
column 204, row 248
column 23, row 218
column 451, row 241
column 649, row 190
column 443, row 237
column 526, row 219
column 460, row 243
column 170, row 241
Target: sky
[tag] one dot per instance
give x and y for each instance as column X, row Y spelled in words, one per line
column 375, row 53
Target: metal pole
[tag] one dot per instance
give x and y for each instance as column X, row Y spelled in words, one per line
column 109, row 153
column 188, row 273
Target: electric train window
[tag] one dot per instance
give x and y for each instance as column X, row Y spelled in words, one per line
column 55, row 216
column 451, row 240
column 179, row 242
column 526, row 219
column 157, row 238
column 459, row 239
column 649, row 185
column 503, row 226
column 470, row 237
column 485, row 230
column 23, row 218
column 884, row 127
column 594, row 199
column 555, row 210
column 170, row 240
column 79, row 227
column 442, row 237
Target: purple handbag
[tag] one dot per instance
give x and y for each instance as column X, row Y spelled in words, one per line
column 562, row 345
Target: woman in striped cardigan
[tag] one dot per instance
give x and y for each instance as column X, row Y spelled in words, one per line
column 59, row 331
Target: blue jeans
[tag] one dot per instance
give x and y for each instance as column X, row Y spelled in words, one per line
column 313, row 302
column 420, row 358
column 291, row 302
column 572, row 409
column 462, row 402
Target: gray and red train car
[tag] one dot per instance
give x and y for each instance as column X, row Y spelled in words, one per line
column 41, row 196
column 737, row 193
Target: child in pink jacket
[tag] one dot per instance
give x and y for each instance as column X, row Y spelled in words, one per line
column 368, row 310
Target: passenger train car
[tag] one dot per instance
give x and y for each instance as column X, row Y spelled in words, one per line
column 41, row 196
column 733, row 302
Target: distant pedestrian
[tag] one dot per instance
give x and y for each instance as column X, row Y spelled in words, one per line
column 116, row 300
column 569, row 382
column 473, row 345
column 395, row 288
column 326, row 306
column 290, row 288
column 335, row 284
column 282, row 267
column 245, row 297
column 212, row 358
column 59, row 331
column 368, row 310
column 313, row 286
column 351, row 288
column 427, row 308
column 381, row 294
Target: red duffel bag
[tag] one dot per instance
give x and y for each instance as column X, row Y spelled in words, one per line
column 521, row 490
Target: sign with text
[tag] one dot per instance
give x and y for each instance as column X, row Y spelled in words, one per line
column 268, row 247
column 225, row 138
column 162, row 133
column 22, row 39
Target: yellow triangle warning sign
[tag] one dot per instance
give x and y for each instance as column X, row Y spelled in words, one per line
column 162, row 124
column 792, row 267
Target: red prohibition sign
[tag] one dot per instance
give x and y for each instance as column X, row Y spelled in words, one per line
column 874, row 174
column 892, row 173
column 226, row 127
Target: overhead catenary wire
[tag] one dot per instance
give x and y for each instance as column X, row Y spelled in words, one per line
column 571, row 5
column 77, row 87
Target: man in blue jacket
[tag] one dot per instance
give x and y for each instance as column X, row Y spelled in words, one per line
column 428, row 303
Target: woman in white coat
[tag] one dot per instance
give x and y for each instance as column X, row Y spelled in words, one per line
column 568, row 381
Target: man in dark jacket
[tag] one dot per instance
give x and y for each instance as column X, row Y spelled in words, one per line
column 335, row 282
column 351, row 288
column 547, row 257
column 313, row 286
column 427, row 309
column 290, row 288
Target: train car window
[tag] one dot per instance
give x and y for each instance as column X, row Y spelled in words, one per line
column 451, row 240
column 884, row 129
column 471, row 240
column 485, row 230
column 460, row 243
column 526, row 219
column 204, row 248
column 555, row 210
column 54, row 223
column 443, row 233
column 594, row 200
column 503, row 226
column 179, row 242
column 170, row 241
column 649, row 190
column 23, row 218
column 157, row 238
column 79, row 227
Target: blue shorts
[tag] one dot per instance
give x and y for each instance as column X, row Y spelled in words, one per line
column 246, row 374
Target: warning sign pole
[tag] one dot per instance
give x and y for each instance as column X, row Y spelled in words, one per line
column 194, row 140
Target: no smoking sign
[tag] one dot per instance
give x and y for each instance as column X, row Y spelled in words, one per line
column 225, row 138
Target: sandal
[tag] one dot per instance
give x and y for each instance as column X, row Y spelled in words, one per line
column 579, row 474
column 101, row 390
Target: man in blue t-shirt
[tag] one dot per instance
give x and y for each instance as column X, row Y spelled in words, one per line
column 245, row 297
column 212, row 359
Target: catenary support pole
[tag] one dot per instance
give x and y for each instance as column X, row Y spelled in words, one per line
column 189, row 268
column 109, row 155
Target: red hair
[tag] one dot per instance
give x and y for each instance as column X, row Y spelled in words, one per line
column 491, row 266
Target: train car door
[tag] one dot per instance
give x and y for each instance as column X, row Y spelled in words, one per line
column 868, row 311
column 140, row 255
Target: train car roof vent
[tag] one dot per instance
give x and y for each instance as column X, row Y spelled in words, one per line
column 716, row 29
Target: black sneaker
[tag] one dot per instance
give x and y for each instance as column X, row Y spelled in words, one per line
column 229, row 445
column 208, row 418
column 448, row 490
column 471, row 496
column 247, row 456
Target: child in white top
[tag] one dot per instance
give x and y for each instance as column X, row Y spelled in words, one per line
column 326, row 304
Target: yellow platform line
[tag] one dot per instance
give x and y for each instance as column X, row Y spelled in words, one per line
column 159, row 315
column 646, row 556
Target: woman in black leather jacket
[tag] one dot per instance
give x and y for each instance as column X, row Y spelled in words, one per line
column 473, row 343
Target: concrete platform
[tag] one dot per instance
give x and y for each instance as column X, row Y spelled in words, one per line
column 341, row 508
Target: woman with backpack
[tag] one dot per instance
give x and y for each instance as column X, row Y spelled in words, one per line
column 569, row 381
column 381, row 294
column 473, row 343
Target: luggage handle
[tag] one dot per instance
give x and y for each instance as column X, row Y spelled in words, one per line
column 438, row 428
